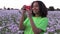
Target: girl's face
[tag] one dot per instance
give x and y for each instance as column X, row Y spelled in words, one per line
column 35, row 8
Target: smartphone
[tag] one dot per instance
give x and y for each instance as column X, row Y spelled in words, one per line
column 28, row 7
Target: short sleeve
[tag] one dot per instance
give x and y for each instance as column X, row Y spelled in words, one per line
column 43, row 24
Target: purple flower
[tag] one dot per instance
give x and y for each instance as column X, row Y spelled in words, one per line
column 58, row 26
column 8, row 33
column 51, row 29
column 19, row 32
column 13, row 27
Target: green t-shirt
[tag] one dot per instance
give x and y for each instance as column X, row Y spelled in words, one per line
column 39, row 23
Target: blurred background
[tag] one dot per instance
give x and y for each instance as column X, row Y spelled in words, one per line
column 10, row 13
column 19, row 3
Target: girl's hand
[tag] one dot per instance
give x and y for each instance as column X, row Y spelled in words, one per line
column 23, row 9
column 29, row 13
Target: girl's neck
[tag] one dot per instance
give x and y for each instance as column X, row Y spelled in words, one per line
column 37, row 15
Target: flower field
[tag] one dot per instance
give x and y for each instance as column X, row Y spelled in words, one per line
column 9, row 22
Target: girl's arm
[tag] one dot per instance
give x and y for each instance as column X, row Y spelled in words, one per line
column 21, row 22
column 22, row 18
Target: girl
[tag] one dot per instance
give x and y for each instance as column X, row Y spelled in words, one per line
column 36, row 22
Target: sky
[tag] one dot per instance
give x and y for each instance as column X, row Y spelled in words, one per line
column 19, row 3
